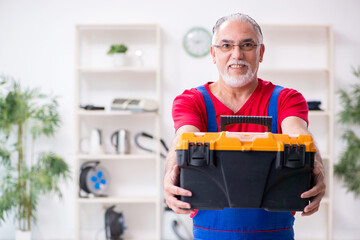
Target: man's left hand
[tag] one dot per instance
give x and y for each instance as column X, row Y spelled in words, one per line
column 318, row 191
column 296, row 125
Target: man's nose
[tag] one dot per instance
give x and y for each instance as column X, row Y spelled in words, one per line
column 237, row 53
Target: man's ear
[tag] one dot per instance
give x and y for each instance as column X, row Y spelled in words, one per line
column 212, row 51
column 262, row 50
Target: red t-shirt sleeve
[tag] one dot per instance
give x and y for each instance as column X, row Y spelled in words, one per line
column 292, row 103
column 188, row 109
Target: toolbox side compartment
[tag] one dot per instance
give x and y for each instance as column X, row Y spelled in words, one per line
column 285, row 185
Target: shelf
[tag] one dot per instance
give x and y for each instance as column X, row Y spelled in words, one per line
column 116, row 156
column 318, row 113
column 290, row 66
column 143, row 239
column 97, row 80
column 325, row 200
column 128, row 113
column 311, row 239
column 292, row 70
column 103, row 27
column 286, row 27
column 94, row 70
column 113, row 200
column 89, row 113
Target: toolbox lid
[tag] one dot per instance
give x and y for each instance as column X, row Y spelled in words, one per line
column 245, row 141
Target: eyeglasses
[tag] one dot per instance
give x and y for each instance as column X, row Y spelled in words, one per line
column 245, row 46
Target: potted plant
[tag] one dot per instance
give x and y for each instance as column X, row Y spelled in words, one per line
column 118, row 52
column 25, row 175
column 348, row 168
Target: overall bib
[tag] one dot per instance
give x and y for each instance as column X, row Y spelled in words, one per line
column 236, row 223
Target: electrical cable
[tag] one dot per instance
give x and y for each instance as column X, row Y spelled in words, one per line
column 144, row 134
column 175, row 230
column 174, row 226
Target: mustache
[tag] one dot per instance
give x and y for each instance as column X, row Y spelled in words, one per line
column 238, row 62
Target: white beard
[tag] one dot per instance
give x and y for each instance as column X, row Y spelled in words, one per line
column 238, row 81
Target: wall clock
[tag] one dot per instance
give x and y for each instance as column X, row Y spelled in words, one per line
column 197, row 42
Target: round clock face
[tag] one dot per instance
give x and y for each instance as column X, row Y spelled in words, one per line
column 197, row 42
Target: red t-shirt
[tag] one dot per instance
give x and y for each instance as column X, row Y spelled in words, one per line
column 189, row 108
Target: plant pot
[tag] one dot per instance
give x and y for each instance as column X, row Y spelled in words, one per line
column 119, row 59
column 22, row 235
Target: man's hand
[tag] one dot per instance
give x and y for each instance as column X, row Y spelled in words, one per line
column 295, row 125
column 172, row 175
column 171, row 182
column 318, row 191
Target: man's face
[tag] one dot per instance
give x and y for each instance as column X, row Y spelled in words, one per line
column 237, row 67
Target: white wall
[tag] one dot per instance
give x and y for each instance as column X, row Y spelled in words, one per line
column 37, row 46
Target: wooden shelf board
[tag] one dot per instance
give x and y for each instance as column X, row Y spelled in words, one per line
column 96, row 27
column 319, row 113
column 99, row 70
column 292, row 26
column 311, row 239
column 292, row 70
column 136, row 239
column 134, row 199
column 326, row 200
column 116, row 156
column 89, row 113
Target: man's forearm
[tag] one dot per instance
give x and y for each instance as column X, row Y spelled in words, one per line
column 171, row 157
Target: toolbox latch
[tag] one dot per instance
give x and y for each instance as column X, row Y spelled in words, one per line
column 199, row 154
column 294, row 155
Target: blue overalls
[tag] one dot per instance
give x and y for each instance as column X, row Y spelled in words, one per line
column 236, row 223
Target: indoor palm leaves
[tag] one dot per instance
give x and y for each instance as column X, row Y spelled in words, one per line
column 25, row 115
column 349, row 166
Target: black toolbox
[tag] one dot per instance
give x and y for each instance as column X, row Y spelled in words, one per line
column 246, row 170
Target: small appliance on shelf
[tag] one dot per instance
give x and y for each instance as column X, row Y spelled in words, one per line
column 114, row 224
column 134, row 104
column 94, row 180
column 314, row 105
column 92, row 107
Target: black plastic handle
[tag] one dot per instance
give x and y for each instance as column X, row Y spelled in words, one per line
column 259, row 120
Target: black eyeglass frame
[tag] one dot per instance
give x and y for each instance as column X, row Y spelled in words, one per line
column 241, row 46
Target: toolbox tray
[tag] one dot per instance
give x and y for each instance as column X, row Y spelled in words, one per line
column 245, row 170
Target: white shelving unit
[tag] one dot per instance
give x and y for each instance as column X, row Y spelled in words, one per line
column 104, row 113
column 135, row 183
column 301, row 57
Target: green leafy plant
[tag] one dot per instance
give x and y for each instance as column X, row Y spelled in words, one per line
column 26, row 115
column 117, row 48
column 348, row 167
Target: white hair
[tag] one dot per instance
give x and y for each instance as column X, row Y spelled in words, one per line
column 237, row 17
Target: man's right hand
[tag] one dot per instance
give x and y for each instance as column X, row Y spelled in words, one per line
column 171, row 182
column 172, row 176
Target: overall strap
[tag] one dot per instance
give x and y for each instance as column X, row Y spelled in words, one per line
column 272, row 111
column 210, row 110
